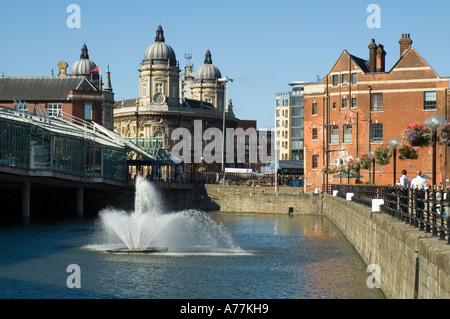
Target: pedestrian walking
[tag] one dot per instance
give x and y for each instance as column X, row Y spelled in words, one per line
column 405, row 182
column 419, row 181
column 419, row 184
column 404, row 179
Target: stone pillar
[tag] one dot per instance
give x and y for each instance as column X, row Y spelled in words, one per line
column 80, row 201
column 26, row 189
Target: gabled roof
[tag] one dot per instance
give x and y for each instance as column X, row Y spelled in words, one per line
column 361, row 63
column 408, row 54
column 86, row 85
column 42, row 88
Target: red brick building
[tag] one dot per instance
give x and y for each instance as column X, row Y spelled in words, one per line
column 364, row 105
column 81, row 94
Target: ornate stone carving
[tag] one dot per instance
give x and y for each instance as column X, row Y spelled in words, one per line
column 62, row 67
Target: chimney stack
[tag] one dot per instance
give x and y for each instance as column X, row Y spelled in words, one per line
column 381, row 58
column 405, row 42
column 372, row 56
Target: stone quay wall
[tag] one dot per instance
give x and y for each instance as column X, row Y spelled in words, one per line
column 410, row 263
column 263, row 200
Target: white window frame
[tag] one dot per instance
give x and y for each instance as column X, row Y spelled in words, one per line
column 159, row 88
column 54, row 110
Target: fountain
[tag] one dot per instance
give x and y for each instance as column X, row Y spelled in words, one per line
column 148, row 229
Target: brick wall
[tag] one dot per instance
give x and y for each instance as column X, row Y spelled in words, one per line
column 402, row 89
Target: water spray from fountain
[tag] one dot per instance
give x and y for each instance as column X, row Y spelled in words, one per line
column 149, row 229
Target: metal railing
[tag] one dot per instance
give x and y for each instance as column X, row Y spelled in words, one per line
column 425, row 209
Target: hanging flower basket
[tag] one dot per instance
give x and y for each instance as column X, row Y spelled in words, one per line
column 408, row 152
column 365, row 161
column 330, row 170
column 351, row 166
column 339, row 169
column 417, row 135
column 444, row 137
column 382, row 155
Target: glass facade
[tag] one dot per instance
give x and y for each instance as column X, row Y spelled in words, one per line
column 291, row 121
column 15, row 145
column 26, row 146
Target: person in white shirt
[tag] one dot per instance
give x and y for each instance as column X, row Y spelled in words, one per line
column 404, row 180
column 419, row 181
column 419, row 184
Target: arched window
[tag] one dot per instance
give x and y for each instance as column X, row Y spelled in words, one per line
column 348, row 133
column 159, row 135
column 334, row 134
column 314, row 109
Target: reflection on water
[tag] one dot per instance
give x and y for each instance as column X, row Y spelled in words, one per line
column 309, row 255
column 280, row 257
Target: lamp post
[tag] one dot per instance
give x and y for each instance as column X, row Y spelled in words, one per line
column 275, row 180
column 436, row 123
column 372, row 157
column 224, row 81
column 394, row 144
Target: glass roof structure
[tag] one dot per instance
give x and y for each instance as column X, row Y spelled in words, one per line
column 152, row 146
column 64, row 144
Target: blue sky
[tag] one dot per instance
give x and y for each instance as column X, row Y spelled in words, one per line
column 262, row 45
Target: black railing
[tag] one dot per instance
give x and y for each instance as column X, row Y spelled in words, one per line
column 423, row 209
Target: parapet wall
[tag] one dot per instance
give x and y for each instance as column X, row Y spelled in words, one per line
column 412, row 263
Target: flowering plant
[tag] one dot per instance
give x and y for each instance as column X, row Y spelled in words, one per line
column 365, row 161
column 382, row 154
column 351, row 166
column 330, row 170
column 408, row 152
column 444, row 138
column 417, row 135
column 339, row 169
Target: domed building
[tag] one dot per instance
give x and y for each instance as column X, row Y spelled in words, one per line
column 159, row 52
column 79, row 94
column 162, row 107
column 206, row 85
column 159, row 75
column 84, row 66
